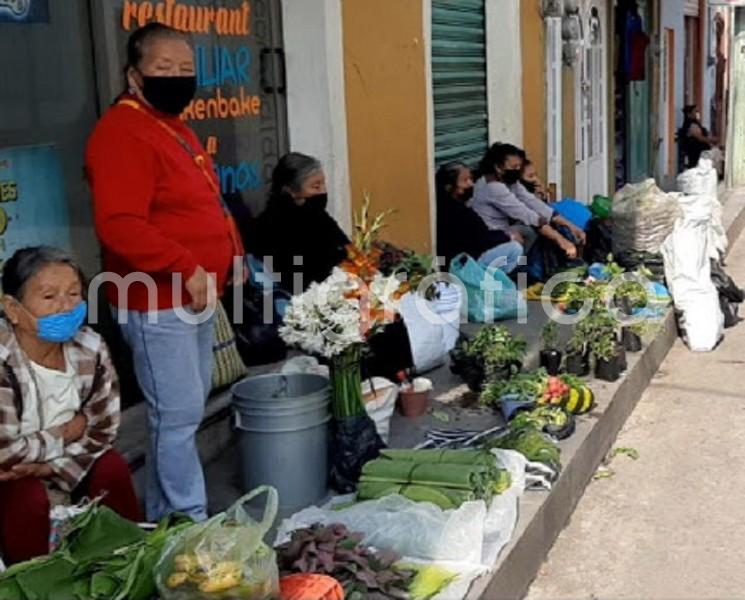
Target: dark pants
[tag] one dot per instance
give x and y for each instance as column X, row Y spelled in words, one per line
column 24, row 506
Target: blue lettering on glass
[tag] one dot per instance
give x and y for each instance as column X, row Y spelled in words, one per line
column 238, row 178
column 218, row 65
column 24, row 11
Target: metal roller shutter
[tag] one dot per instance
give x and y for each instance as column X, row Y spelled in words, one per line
column 459, row 80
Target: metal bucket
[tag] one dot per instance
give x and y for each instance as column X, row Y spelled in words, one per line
column 283, row 428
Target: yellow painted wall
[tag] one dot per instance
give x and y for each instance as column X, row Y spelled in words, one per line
column 386, row 98
column 534, row 83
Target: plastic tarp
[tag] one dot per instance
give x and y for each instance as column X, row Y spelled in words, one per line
column 467, row 540
column 687, row 254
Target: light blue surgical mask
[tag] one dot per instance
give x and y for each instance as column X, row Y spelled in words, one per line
column 62, row 327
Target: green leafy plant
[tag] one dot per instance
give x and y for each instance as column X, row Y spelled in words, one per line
column 527, row 386
column 496, row 348
column 604, row 347
column 550, row 336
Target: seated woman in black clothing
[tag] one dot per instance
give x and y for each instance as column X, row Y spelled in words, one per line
column 693, row 137
column 303, row 242
column 460, row 229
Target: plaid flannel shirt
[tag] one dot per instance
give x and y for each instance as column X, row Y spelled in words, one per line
column 98, row 386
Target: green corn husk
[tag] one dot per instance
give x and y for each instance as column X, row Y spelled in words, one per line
column 445, row 498
column 466, row 477
column 453, row 457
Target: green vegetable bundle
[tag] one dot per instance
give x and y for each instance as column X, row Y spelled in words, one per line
column 446, row 478
column 532, row 444
column 103, row 557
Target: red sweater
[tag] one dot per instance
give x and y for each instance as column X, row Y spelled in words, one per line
column 155, row 212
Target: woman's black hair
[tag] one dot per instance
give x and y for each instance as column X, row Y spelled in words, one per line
column 27, row 262
column 447, row 178
column 141, row 37
column 497, row 155
column 292, row 171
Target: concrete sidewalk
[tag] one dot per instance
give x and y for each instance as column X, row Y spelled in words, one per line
column 670, row 525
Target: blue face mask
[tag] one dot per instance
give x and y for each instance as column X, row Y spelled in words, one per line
column 62, row 327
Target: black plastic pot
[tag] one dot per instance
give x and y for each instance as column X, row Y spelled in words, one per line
column 551, row 361
column 578, row 364
column 631, row 341
column 623, row 359
column 562, row 433
column 608, row 370
column 506, row 372
column 470, row 370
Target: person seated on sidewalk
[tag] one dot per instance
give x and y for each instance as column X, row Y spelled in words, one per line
column 496, row 201
column 296, row 224
column 59, row 403
column 532, row 182
column 693, row 137
column 460, row 229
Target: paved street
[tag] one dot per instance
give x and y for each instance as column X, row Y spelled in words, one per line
column 670, row 525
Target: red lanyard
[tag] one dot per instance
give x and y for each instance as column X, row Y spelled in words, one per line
column 201, row 163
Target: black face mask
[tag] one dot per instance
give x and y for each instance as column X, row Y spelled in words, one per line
column 511, row 176
column 170, row 95
column 529, row 185
column 467, row 195
column 317, row 202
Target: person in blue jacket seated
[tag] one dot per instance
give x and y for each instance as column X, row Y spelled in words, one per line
column 461, row 230
column 505, row 204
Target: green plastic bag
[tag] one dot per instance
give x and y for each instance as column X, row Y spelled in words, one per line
column 602, row 207
column 224, row 557
column 492, row 295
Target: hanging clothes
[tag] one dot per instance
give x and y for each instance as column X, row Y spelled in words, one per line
column 637, row 42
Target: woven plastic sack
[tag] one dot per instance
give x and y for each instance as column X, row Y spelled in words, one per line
column 643, row 217
column 223, row 558
column 703, row 181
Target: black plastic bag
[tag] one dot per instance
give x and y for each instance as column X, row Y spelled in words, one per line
column 354, row 442
column 725, row 284
column 599, row 242
column 258, row 342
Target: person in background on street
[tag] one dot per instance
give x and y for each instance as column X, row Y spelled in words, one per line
column 460, row 229
column 693, row 137
column 296, row 224
column 59, row 403
column 532, row 182
column 495, row 200
column 158, row 213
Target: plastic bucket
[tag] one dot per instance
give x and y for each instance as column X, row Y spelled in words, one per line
column 282, row 423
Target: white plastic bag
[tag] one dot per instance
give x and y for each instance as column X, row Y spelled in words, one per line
column 686, row 253
column 380, row 409
column 433, row 325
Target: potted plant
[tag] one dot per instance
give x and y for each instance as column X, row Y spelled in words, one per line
column 578, row 359
column 608, row 359
column 493, row 354
column 550, row 355
column 631, row 339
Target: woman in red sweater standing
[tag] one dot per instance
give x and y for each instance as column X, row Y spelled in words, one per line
column 163, row 227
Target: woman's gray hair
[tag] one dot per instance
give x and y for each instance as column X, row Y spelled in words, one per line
column 292, row 171
column 27, row 262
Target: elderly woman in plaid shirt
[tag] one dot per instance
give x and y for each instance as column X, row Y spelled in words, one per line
column 59, row 403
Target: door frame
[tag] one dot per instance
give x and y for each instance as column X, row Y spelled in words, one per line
column 584, row 164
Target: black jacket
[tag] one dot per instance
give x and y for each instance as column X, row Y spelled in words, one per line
column 460, row 229
column 285, row 230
